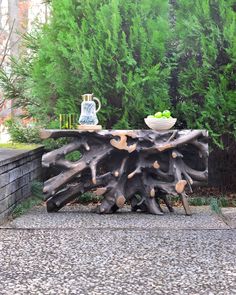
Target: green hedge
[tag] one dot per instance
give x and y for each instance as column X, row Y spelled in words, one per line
column 115, row 49
column 137, row 57
column 206, row 65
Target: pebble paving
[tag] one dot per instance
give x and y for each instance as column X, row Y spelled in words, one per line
column 79, row 216
column 76, row 252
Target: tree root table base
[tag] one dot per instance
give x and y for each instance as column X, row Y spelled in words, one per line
column 140, row 167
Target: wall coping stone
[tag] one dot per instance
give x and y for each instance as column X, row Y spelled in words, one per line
column 15, row 155
column 18, row 169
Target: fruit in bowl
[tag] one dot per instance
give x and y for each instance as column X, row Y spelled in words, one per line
column 160, row 121
column 158, row 115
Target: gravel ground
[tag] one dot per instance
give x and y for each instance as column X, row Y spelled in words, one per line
column 79, row 216
column 83, row 253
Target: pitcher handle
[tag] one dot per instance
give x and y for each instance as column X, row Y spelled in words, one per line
column 99, row 104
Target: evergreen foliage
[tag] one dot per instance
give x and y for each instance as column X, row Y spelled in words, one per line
column 205, row 35
column 23, row 134
column 17, row 84
column 138, row 57
column 115, row 49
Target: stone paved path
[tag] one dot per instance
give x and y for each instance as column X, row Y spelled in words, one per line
column 77, row 252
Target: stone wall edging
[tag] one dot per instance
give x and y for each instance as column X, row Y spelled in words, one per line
column 16, row 176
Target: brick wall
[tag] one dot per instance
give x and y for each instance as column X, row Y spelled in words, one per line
column 16, row 176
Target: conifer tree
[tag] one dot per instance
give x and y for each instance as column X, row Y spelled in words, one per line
column 115, row 49
column 138, row 57
column 205, row 33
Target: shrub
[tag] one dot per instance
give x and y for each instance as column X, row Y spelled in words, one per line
column 73, row 156
column 137, row 56
column 23, row 134
column 113, row 48
column 206, row 61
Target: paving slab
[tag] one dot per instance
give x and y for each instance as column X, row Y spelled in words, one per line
column 78, row 252
column 230, row 216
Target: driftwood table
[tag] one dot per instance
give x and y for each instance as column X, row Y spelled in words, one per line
column 138, row 166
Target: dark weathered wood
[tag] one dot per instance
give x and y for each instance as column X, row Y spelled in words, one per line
column 138, row 166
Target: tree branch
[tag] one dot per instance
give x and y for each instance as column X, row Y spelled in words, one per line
column 6, row 45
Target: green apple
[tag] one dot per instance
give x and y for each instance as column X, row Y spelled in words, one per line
column 151, row 116
column 158, row 115
column 167, row 113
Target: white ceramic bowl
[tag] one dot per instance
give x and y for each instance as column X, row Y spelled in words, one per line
column 160, row 124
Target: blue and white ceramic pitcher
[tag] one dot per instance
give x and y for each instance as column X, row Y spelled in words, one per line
column 88, row 114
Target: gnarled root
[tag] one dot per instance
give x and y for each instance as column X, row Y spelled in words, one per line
column 119, row 165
